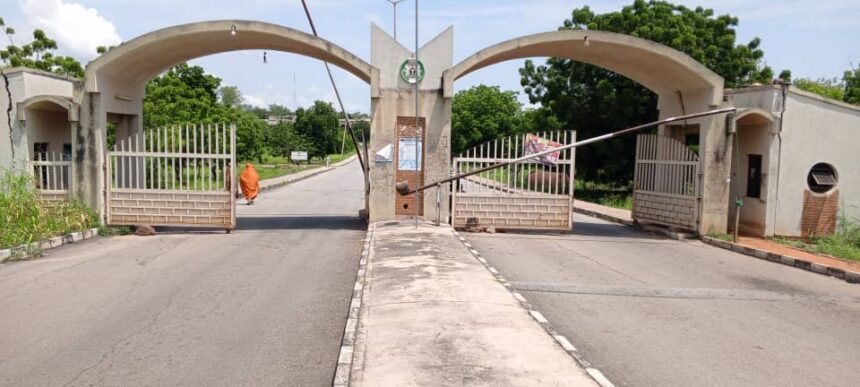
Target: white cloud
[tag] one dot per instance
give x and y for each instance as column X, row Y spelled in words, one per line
column 78, row 30
column 253, row 100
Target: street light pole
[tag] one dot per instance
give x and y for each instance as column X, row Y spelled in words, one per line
column 394, row 3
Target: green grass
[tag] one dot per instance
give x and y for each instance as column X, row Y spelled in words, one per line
column 277, row 166
column 844, row 243
column 721, row 236
column 24, row 219
column 616, row 196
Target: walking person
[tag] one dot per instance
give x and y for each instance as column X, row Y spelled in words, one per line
column 250, row 183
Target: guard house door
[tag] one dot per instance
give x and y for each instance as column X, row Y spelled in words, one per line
column 406, row 165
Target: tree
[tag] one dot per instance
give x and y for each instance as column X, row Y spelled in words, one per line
column 852, row 86
column 319, row 123
column 829, row 88
column 38, row 54
column 480, row 114
column 279, row 110
column 230, row 96
column 594, row 101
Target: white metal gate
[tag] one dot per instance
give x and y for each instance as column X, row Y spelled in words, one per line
column 666, row 182
column 536, row 194
column 173, row 176
column 52, row 176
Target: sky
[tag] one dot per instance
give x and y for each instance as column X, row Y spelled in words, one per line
column 812, row 38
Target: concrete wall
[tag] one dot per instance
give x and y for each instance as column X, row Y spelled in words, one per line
column 397, row 98
column 48, row 126
column 754, row 138
column 814, row 129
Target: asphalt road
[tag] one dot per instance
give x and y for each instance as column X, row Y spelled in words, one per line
column 265, row 305
column 648, row 311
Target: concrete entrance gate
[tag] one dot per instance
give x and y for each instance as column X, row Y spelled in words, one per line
column 114, row 90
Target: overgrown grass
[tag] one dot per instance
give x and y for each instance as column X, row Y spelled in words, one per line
column 844, row 243
column 24, row 219
column 617, row 196
column 721, row 236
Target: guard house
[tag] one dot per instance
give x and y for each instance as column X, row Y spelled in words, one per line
column 796, row 162
column 43, row 115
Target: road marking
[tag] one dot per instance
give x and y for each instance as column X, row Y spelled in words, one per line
column 520, row 298
column 564, row 343
column 654, row 292
column 539, row 317
column 599, row 378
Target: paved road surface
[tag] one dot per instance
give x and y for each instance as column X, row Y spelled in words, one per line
column 265, row 305
column 648, row 311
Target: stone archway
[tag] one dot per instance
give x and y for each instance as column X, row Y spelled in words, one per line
column 682, row 85
column 115, row 82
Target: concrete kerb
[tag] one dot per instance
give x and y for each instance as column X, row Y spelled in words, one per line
column 296, row 177
column 36, row 248
column 343, row 371
column 560, row 339
column 848, row 276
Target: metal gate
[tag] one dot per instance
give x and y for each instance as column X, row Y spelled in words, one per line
column 173, row 176
column 666, row 182
column 536, row 194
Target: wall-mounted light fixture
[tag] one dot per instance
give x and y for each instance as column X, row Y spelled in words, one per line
column 233, row 30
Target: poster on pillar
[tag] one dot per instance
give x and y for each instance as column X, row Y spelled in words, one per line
column 408, row 149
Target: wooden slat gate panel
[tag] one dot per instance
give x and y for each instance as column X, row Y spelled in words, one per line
column 529, row 195
column 173, row 176
column 666, row 183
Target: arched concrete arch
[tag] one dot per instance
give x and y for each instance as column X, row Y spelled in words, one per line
column 141, row 58
column 657, row 67
column 114, row 85
column 65, row 103
column 753, row 114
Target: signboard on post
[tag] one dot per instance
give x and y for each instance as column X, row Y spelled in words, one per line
column 536, row 144
column 406, row 152
column 299, row 156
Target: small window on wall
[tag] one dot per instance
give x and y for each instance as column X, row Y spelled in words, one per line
column 692, row 141
column 822, row 178
column 754, row 176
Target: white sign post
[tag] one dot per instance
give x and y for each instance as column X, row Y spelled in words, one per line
column 299, row 156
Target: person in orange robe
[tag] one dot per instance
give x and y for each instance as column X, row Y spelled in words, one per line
column 250, row 183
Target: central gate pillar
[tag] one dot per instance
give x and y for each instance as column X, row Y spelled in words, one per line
column 392, row 126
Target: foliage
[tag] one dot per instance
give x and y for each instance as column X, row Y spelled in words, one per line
column 23, row 219
column 318, row 124
column 604, row 194
column 852, row 86
column 595, row 101
column 844, row 243
column 830, row 88
column 482, row 113
column 187, row 95
column 38, row 54
column 230, row 96
column 282, row 139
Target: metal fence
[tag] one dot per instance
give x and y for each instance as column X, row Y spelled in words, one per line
column 535, row 194
column 51, row 176
column 666, row 182
column 177, row 176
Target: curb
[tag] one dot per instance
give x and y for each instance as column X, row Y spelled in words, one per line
column 562, row 341
column 342, row 374
column 656, row 230
column 313, row 172
column 36, row 248
column 848, row 276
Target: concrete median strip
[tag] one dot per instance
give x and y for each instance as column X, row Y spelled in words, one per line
column 347, row 347
column 432, row 314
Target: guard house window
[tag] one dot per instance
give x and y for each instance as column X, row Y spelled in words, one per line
column 40, row 150
column 822, row 178
column 754, row 176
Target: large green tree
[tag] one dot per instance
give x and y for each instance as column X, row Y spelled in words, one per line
column 852, row 86
column 319, row 123
column 38, row 54
column 482, row 113
column 594, row 101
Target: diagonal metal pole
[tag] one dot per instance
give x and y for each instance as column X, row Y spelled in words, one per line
column 403, row 186
column 361, row 159
column 418, row 136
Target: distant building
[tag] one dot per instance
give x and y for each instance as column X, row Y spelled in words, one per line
column 287, row 119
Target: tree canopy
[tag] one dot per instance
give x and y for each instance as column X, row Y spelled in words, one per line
column 594, row 101
column 482, row 113
column 38, row 54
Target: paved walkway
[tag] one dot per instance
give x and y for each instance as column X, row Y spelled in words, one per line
column 617, row 214
column 433, row 315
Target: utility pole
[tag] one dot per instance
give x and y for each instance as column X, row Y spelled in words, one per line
column 394, row 3
column 418, row 136
column 295, row 104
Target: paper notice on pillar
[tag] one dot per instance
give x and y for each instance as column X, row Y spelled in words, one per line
column 407, row 151
column 535, row 144
column 384, row 155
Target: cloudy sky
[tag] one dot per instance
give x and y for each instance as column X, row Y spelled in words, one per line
column 813, row 38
